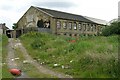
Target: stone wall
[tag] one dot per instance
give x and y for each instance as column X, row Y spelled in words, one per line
column 31, row 17
column 82, row 28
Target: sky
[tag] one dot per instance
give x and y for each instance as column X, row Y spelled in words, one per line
column 12, row 10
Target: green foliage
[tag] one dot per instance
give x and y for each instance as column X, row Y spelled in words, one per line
column 15, row 26
column 112, row 29
column 88, row 57
column 5, row 73
column 37, row 43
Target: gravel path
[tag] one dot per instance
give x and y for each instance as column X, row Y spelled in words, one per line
column 10, row 57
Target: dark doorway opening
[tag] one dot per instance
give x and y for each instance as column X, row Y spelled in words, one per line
column 8, row 33
column 18, row 33
column 40, row 23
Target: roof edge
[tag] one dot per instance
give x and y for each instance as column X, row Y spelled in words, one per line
column 43, row 11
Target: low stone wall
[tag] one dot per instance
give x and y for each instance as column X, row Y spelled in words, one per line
column 45, row 30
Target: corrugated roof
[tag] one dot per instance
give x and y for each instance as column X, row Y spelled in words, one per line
column 99, row 21
column 64, row 15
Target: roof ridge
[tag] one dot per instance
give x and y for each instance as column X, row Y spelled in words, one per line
column 67, row 15
column 60, row 11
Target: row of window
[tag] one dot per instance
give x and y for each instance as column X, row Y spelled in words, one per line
column 69, row 25
column 70, row 34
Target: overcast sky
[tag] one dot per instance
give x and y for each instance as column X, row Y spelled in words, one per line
column 12, row 10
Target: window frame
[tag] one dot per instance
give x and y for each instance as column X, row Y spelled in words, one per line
column 70, row 25
column 80, row 26
column 75, row 26
column 58, row 24
column 88, row 27
column 64, row 25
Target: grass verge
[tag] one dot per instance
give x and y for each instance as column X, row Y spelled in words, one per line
column 5, row 70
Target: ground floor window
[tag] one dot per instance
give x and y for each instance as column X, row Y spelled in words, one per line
column 75, row 26
column 58, row 24
column 70, row 34
column 64, row 25
column 79, row 26
column 43, row 24
column 88, row 27
column 47, row 24
column 84, row 25
column 70, row 25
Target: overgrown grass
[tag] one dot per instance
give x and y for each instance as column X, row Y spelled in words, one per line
column 87, row 57
column 5, row 70
column 28, row 68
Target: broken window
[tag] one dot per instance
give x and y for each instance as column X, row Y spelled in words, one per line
column 47, row 24
column 84, row 25
column 70, row 25
column 64, row 25
column 88, row 27
column 79, row 26
column 40, row 23
column 95, row 27
column 75, row 26
column 91, row 27
column 58, row 24
column 70, row 34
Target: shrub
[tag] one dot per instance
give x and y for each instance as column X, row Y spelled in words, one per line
column 113, row 28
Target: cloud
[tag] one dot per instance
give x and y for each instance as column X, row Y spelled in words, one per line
column 55, row 4
column 12, row 10
column 6, row 7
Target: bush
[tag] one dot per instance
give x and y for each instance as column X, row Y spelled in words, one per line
column 113, row 28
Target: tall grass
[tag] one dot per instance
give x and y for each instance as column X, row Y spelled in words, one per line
column 87, row 57
column 5, row 70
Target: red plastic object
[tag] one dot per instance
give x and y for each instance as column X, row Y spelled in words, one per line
column 72, row 41
column 15, row 72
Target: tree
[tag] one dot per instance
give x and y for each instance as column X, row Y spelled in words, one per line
column 14, row 26
column 113, row 28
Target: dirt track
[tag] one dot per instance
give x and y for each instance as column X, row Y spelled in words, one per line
column 10, row 57
column 41, row 69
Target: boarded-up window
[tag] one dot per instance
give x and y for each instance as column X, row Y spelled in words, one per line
column 64, row 25
column 58, row 24
column 70, row 25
